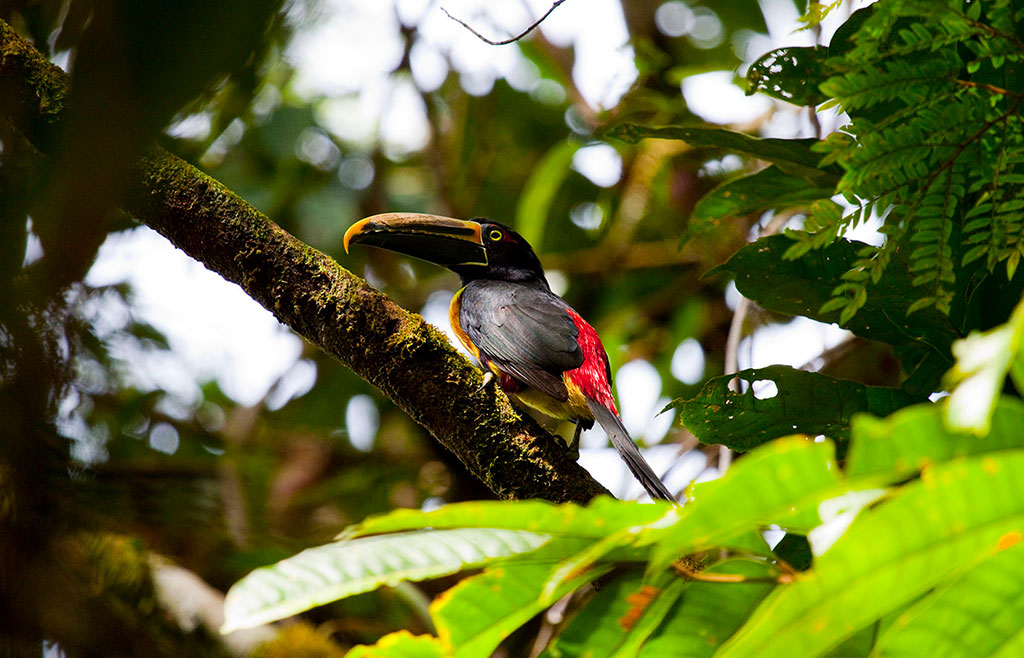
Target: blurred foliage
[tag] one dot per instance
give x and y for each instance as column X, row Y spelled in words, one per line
column 885, row 517
column 878, row 549
column 906, row 73
column 222, row 487
column 90, row 444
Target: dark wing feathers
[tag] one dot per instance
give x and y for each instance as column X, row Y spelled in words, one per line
column 524, row 331
column 528, row 334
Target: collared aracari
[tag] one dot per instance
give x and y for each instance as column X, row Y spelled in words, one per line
column 541, row 351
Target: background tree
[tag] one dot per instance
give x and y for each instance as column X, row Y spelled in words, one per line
column 94, row 454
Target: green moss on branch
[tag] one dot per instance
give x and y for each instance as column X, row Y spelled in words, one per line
column 396, row 351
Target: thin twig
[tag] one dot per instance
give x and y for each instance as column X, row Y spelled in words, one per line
column 988, row 87
column 736, row 334
column 505, row 42
column 992, row 31
column 786, row 575
column 970, row 140
column 550, row 622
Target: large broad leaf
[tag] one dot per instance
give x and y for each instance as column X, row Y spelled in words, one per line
column 795, row 73
column 914, row 438
column 925, row 369
column 977, row 614
column 803, row 286
column 955, row 516
column 982, row 361
column 474, row 617
column 858, row 645
column 768, row 188
column 618, row 619
column 603, row 516
column 793, row 156
column 790, row 74
column 782, row 483
column 709, row 613
column 625, row 545
column 327, row 573
column 402, row 644
column 779, row 401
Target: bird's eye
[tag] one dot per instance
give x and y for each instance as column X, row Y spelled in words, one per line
column 495, row 235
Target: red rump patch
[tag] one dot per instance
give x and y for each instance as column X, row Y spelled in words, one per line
column 508, row 383
column 592, row 376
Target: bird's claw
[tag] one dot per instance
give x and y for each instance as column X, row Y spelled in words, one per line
column 573, row 446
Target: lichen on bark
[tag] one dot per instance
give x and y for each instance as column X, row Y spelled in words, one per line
column 394, row 350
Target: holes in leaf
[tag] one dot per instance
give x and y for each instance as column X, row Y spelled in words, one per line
column 764, row 389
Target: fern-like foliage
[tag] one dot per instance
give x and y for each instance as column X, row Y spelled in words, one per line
column 935, row 143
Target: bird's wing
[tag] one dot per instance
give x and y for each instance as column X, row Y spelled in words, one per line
column 524, row 331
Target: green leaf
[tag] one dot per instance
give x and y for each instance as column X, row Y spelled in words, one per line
column 333, row 571
column 982, row 361
column 956, row 515
column 652, row 614
column 782, row 483
column 977, row 614
column 794, row 156
column 827, row 105
column 795, row 550
column 802, row 403
column 623, row 543
column 925, row 369
column 923, row 302
column 474, row 617
column 858, row 645
column 708, row 613
column 541, row 188
column 790, row 74
column 804, row 286
column 916, row 437
column 402, row 644
column 768, row 188
column 618, row 618
column 843, row 39
column 601, row 517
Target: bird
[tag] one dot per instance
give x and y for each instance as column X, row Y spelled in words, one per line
column 531, row 341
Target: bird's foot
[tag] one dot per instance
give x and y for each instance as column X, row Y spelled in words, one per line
column 574, row 445
column 576, row 437
column 573, row 449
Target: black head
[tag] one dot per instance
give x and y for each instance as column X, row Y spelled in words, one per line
column 474, row 249
column 509, row 257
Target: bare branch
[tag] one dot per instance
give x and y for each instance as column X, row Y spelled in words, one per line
column 505, row 42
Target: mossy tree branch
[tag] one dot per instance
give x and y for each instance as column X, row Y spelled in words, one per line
column 394, row 350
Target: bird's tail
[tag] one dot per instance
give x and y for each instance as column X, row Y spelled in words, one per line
column 630, row 454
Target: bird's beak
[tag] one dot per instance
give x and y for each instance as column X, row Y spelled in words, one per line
column 439, row 240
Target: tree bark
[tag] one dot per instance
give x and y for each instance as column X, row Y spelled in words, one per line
column 396, row 351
